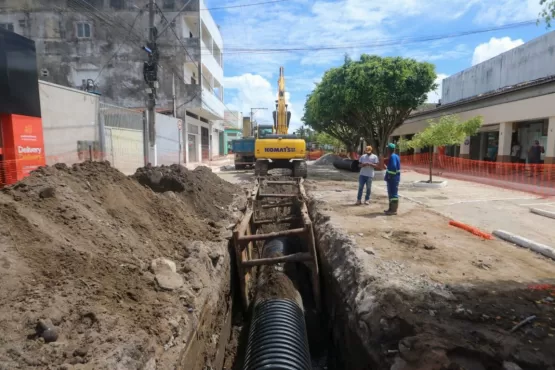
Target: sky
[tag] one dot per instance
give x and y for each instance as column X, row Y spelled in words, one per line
column 354, row 27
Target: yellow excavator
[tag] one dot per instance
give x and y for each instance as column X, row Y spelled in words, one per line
column 280, row 149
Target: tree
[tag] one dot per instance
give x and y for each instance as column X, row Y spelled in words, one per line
column 368, row 98
column 325, row 139
column 385, row 91
column 548, row 11
column 448, row 130
column 301, row 132
column 326, row 109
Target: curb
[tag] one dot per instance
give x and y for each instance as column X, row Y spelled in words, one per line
column 542, row 212
column 526, row 243
column 426, row 185
column 471, row 229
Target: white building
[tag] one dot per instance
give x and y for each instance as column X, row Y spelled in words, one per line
column 84, row 41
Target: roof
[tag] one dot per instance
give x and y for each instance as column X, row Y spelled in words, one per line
column 500, row 91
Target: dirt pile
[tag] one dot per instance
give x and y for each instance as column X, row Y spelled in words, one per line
column 200, row 188
column 80, row 288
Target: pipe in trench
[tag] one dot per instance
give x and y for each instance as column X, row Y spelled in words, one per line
column 278, row 338
column 347, row 164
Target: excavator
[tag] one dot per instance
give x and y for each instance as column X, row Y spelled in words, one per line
column 280, row 149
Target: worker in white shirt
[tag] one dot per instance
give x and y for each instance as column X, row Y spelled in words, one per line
column 367, row 163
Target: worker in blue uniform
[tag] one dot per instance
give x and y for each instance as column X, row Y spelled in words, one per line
column 392, row 178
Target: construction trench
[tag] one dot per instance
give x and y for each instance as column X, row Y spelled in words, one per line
column 302, row 301
column 178, row 269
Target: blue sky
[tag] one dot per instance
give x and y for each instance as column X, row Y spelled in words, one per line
column 251, row 77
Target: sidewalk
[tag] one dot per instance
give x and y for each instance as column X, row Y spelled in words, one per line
column 486, row 207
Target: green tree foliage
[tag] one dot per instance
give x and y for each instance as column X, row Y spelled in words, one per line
column 368, row 98
column 326, row 109
column 325, row 139
column 448, row 130
column 548, row 11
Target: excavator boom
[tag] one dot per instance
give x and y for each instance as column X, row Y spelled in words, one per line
column 281, row 115
column 280, row 150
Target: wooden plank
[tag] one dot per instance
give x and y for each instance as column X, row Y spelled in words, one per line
column 276, row 220
column 278, row 195
column 277, row 205
column 249, row 238
column 296, row 257
column 225, row 335
column 302, row 190
column 281, row 182
column 241, row 227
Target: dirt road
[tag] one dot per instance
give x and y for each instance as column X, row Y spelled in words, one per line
column 423, row 295
column 457, row 296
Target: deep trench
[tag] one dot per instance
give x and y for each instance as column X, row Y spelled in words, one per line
column 318, row 326
column 332, row 344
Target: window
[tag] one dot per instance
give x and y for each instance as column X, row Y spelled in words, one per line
column 22, row 23
column 83, row 30
column 169, row 4
column 117, row 4
column 7, row 26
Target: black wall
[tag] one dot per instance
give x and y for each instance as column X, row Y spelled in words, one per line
column 19, row 89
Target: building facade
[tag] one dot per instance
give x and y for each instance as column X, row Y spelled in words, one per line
column 97, row 45
column 515, row 94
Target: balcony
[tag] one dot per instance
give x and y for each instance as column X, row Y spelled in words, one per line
column 204, row 102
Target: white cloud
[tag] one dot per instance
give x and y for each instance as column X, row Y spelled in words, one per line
column 254, row 91
column 320, row 22
column 508, row 11
column 434, row 96
column 493, row 47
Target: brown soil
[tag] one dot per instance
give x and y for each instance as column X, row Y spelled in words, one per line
column 417, row 293
column 76, row 246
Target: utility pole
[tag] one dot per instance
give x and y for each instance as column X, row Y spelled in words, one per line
column 150, row 74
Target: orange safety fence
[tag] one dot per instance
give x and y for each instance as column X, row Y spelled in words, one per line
column 537, row 178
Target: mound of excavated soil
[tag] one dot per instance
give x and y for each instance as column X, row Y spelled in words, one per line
column 326, row 160
column 201, row 188
column 76, row 247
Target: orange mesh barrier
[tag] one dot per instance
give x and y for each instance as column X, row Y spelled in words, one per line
column 535, row 178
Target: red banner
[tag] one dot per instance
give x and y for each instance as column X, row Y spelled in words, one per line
column 23, row 146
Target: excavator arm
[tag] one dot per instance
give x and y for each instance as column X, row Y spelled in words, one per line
column 281, row 116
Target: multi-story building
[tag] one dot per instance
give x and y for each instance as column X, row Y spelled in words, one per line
column 98, row 45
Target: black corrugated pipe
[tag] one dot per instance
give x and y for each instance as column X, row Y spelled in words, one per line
column 277, row 338
column 347, row 164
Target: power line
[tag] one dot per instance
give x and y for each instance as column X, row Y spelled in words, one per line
column 383, row 42
column 244, row 5
column 120, row 46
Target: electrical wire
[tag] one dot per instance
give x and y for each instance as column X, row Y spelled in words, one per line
column 379, row 43
column 244, row 5
column 120, row 46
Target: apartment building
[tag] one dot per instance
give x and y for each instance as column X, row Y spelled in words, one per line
column 97, row 45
